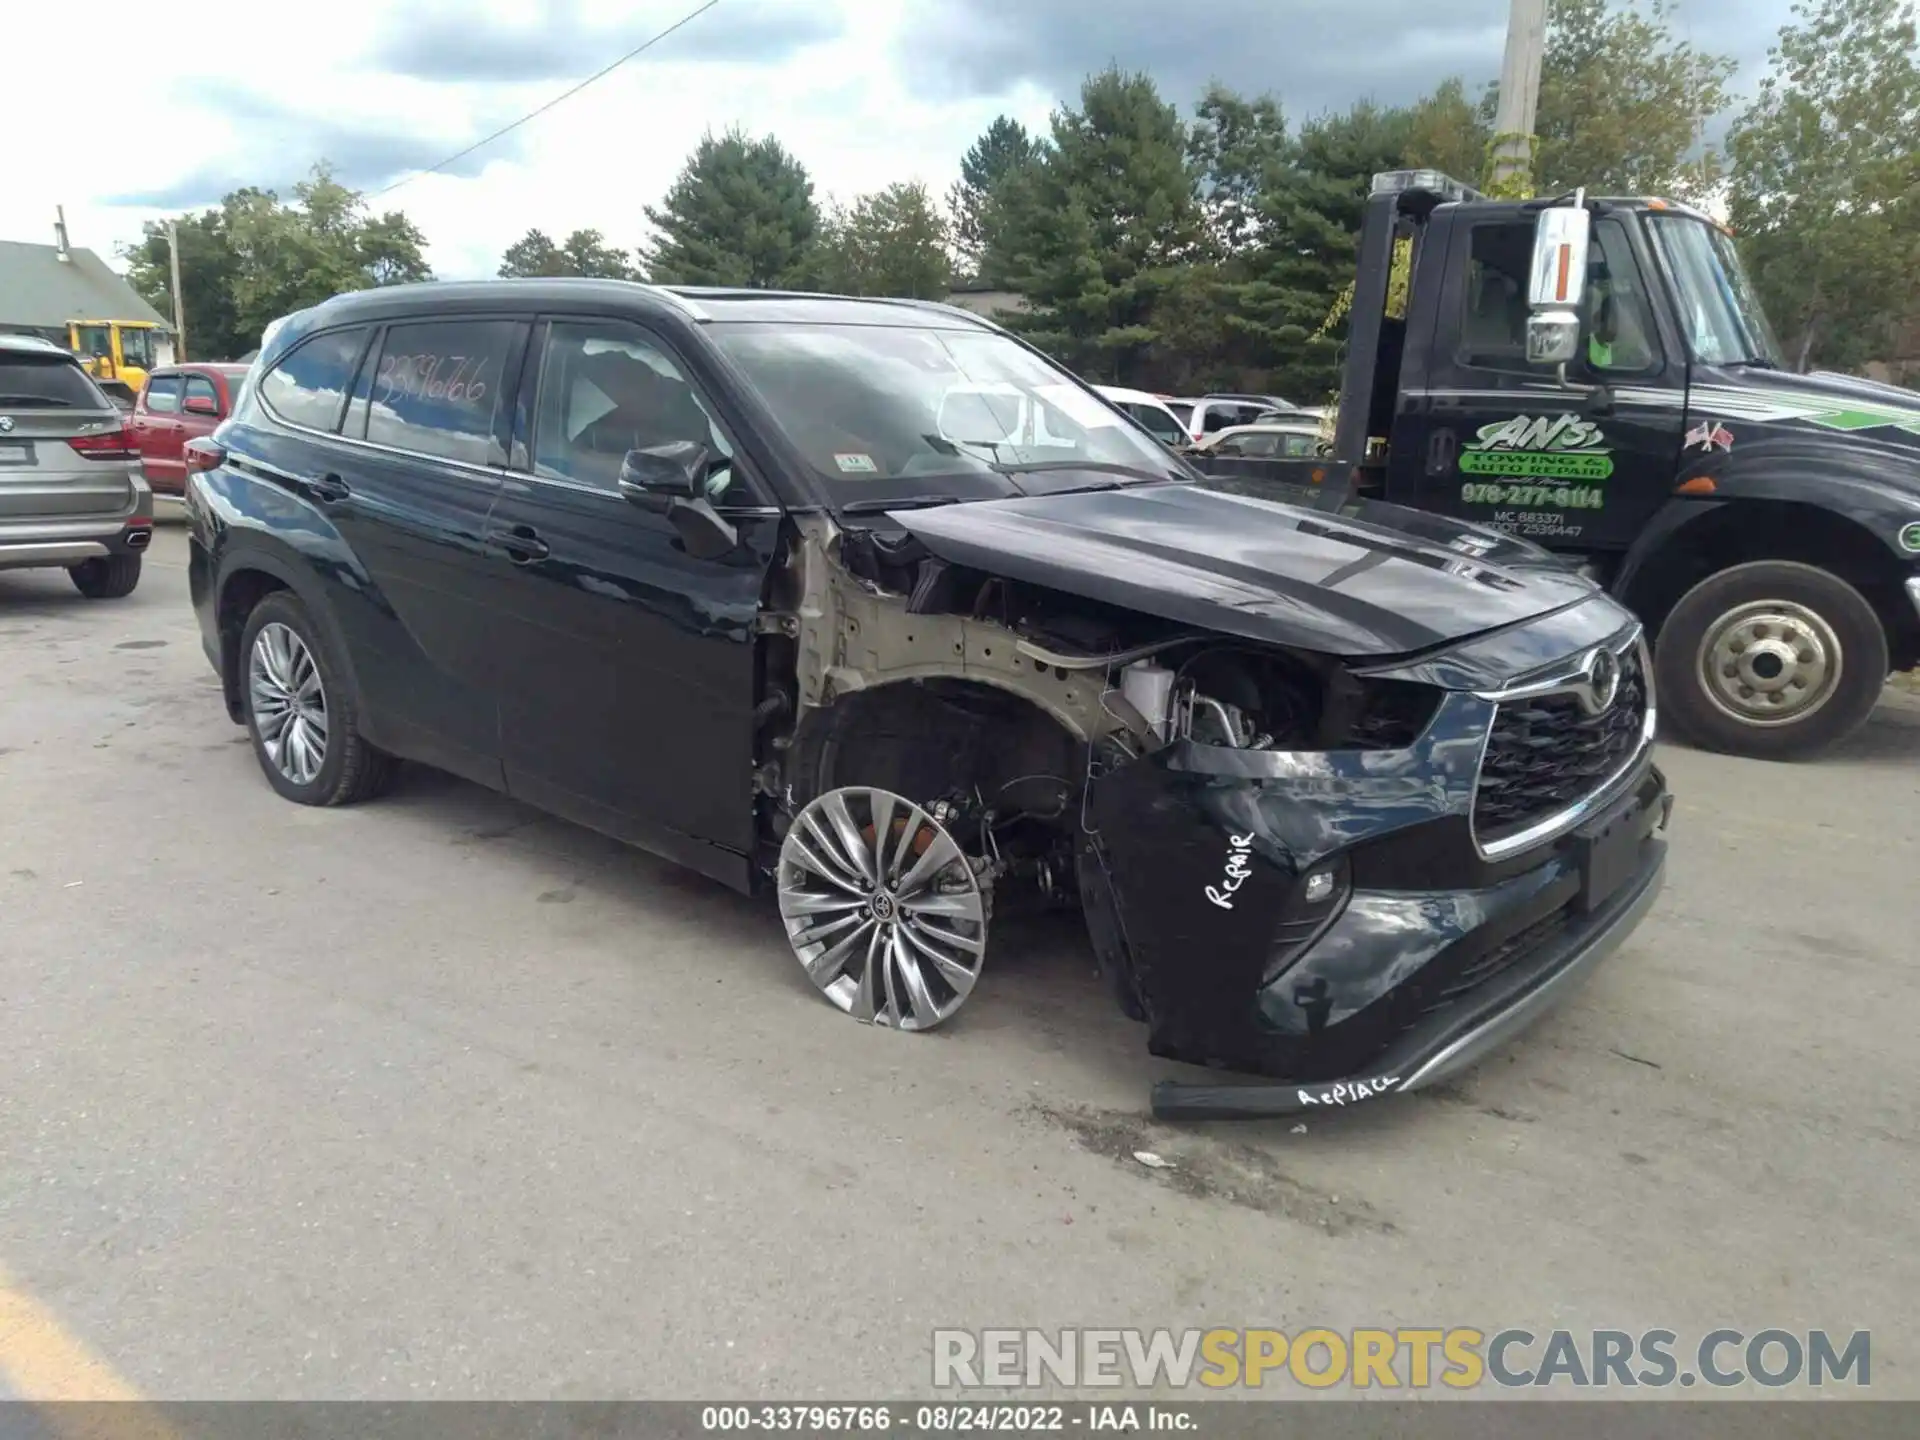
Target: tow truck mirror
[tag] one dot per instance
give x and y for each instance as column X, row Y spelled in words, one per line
column 1558, row 284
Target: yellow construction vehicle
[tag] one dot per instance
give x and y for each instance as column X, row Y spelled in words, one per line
column 120, row 350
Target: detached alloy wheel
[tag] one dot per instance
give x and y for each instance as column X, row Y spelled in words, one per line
column 301, row 711
column 882, row 909
column 1772, row 659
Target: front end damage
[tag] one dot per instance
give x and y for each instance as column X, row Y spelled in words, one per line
column 1351, row 880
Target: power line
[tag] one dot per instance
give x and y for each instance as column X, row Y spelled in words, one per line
column 601, row 74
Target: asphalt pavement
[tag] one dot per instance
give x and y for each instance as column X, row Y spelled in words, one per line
column 437, row 1097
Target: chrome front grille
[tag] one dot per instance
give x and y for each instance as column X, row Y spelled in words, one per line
column 1548, row 752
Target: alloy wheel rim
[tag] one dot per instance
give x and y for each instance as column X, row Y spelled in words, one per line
column 883, row 911
column 289, row 703
column 1771, row 662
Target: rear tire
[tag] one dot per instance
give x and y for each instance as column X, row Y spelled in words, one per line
column 294, row 688
column 1773, row 659
column 111, row 577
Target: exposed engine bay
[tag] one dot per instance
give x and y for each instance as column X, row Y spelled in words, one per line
column 995, row 706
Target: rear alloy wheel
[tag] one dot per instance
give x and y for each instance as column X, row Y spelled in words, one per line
column 288, row 703
column 1771, row 659
column 109, row 577
column 301, row 710
column 883, row 910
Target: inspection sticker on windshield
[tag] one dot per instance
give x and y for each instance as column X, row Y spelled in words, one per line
column 856, row 464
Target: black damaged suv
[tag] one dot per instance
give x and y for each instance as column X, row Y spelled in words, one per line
column 870, row 605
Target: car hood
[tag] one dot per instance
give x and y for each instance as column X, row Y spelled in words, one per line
column 1846, row 404
column 1341, row 583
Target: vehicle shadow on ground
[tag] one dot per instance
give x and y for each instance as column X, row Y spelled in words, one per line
column 1041, row 984
column 1891, row 734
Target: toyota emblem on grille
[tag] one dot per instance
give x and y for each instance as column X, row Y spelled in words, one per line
column 1602, row 683
column 6, row 423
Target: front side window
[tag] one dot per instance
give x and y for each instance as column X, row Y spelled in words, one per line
column 1618, row 320
column 605, row 389
column 1295, row 446
column 163, row 394
column 308, row 386
column 96, row 342
column 1721, row 314
column 437, row 388
column 136, row 348
column 875, row 409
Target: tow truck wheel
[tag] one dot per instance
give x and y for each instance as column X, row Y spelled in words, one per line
column 883, row 910
column 1772, row 659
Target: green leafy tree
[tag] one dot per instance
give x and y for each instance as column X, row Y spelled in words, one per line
column 534, row 254
column 322, row 244
column 586, row 252
column 1288, row 309
column 208, row 270
column 892, row 242
column 1825, row 186
column 256, row 258
column 1236, row 147
column 741, row 212
column 1004, row 149
column 1448, row 132
column 1099, row 229
column 1623, row 102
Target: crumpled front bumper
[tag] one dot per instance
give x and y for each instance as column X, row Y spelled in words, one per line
column 1198, row 880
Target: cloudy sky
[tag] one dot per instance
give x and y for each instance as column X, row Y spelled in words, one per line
column 186, row 104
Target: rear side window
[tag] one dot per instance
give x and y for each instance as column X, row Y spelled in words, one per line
column 163, row 394
column 201, row 388
column 55, row 383
column 309, row 386
column 438, row 388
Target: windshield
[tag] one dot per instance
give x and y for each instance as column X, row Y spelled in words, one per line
column 136, row 348
column 1722, row 316
column 880, row 411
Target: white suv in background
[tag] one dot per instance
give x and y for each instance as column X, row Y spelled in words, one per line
column 1152, row 413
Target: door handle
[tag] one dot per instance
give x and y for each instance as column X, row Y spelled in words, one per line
column 329, row 489
column 1442, row 448
column 522, row 544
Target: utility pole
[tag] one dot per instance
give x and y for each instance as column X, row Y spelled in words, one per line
column 179, row 306
column 1519, row 92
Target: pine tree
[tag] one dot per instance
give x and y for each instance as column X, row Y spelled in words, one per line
column 1098, row 229
column 741, row 212
column 1004, row 149
column 892, row 242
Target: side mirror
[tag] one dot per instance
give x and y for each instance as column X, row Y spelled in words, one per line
column 201, row 405
column 655, row 477
column 1557, row 284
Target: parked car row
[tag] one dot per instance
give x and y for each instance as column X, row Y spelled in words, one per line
column 871, row 606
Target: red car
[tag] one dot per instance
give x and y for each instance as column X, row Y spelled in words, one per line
column 177, row 404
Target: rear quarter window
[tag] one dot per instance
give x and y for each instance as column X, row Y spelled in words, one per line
column 439, row 386
column 53, row 383
column 309, row 386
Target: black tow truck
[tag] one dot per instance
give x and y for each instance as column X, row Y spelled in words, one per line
column 1597, row 376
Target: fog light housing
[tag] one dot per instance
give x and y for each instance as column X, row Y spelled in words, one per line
column 1319, row 887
